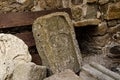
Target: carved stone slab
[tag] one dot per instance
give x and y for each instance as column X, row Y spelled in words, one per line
column 56, row 43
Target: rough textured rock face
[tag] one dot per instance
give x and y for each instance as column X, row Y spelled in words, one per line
column 65, row 75
column 113, row 11
column 56, row 43
column 15, row 5
column 29, row 71
column 13, row 53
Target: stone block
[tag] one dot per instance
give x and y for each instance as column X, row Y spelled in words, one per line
column 56, row 43
column 86, row 22
column 29, row 71
column 65, row 75
column 113, row 11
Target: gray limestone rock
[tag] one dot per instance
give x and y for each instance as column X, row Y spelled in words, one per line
column 56, row 42
column 15, row 60
column 65, row 75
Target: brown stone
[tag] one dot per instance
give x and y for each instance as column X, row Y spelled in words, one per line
column 65, row 75
column 86, row 22
column 103, row 1
column 76, row 13
column 113, row 11
column 101, row 29
column 89, row 11
column 56, row 43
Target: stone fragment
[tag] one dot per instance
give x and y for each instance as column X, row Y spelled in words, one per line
column 101, row 2
column 56, row 43
column 76, row 13
column 13, row 51
column 113, row 11
column 96, row 73
column 89, row 11
column 67, row 3
column 106, row 71
column 65, row 75
column 49, row 4
column 101, row 29
column 29, row 71
column 86, row 22
column 86, row 76
column 115, row 29
column 112, row 23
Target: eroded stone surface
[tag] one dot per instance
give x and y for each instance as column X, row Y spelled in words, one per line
column 29, row 71
column 65, row 75
column 56, row 43
column 14, row 52
column 113, row 11
column 86, row 22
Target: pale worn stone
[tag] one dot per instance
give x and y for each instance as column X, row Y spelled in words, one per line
column 13, row 52
column 86, row 76
column 103, row 1
column 56, row 43
column 65, row 75
column 101, row 29
column 76, row 13
column 113, row 11
column 86, row 22
column 29, row 71
column 96, row 73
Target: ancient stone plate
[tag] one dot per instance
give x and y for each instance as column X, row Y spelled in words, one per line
column 56, row 43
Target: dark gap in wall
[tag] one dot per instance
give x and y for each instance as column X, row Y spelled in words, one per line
column 14, row 30
column 84, row 36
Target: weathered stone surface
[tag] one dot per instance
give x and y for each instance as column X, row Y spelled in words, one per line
column 56, row 43
column 65, row 75
column 15, row 5
column 101, row 29
column 86, row 22
column 29, row 71
column 103, row 1
column 114, row 29
column 99, row 75
column 13, row 51
column 113, row 11
column 112, row 23
column 89, row 11
column 67, row 3
column 76, row 13
column 86, row 76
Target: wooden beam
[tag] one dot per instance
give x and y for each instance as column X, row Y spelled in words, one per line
column 27, row 37
column 25, row 18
